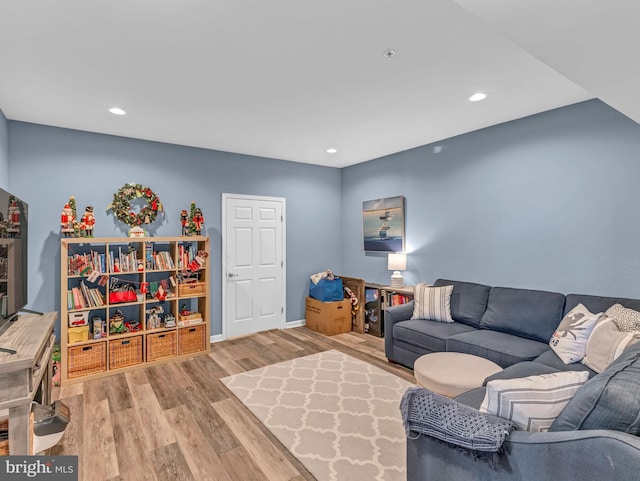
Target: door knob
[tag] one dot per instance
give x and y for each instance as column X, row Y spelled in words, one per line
column 231, row 274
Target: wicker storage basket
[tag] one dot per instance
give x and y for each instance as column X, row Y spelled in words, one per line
column 125, row 352
column 191, row 289
column 161, row 345
column 4, row 445
column 89, row 359
column 191, row 339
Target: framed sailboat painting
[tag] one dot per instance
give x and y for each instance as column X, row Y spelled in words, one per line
column 383, row 224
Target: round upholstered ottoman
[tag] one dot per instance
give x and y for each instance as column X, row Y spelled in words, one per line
column 452, row 373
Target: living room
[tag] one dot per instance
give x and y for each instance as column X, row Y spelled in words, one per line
column 546, row 201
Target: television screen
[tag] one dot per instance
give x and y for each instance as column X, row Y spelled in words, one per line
column 13, row 255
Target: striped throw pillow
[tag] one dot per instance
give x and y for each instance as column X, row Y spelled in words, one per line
column 533, row 402
column 606, row 343
column 433, row 303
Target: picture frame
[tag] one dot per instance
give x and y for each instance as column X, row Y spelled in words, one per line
column 383, row 224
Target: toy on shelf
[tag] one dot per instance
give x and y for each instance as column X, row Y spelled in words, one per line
column 88, row 222
column 116, row 323
column 132, row 326
column 194, row 224
column 154, row 318
column 71, row 226
column 184, row 221
column 66, row 220
column 198, row 221
column 98, row 327
column 169, row 320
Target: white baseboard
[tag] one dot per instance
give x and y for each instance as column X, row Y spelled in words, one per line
column 298, row 323
column 216, row 338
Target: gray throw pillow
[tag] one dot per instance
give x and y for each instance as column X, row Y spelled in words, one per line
column 626, row 319
column 606, row 343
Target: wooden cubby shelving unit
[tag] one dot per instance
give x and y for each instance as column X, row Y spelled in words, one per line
column 82, row 360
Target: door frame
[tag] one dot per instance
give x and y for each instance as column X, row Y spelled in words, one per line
column 223, row 236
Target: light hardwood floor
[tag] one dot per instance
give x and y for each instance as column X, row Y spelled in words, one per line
column 177, row 421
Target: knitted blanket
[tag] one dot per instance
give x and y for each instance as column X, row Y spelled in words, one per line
column 464, row 428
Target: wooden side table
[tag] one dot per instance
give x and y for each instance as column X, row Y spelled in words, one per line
column 26, row 375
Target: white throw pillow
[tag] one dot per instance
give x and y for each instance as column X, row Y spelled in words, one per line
column 432, row 303
column 533, row 402
column 569, row 341
column 606, row 343
column 626, row 319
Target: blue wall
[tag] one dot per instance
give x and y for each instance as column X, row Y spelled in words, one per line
column 4, row 153
column 549, row 201
column 49, row 164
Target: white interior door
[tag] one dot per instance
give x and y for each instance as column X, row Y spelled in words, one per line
column 253, row 264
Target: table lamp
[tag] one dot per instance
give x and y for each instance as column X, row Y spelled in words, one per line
column 397, row 262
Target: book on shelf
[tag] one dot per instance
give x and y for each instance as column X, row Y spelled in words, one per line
column 81, row 264
column 82, row 297
column 399, row 299
column 123, row 262
column 162, row 261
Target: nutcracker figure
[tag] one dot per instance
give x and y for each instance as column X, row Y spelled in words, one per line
column 66, row 220
column 88, row 221
column 198, row 221
column 184, row 220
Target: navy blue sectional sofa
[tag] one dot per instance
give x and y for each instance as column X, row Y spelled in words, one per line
column 596, row 435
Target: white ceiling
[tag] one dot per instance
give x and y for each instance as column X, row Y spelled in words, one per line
column 288, row 79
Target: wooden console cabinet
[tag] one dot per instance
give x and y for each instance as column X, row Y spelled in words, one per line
column 26, row 375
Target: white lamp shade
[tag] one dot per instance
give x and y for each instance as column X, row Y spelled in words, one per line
column 397, row 262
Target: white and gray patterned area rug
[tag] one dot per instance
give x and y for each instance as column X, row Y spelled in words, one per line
column 336, row 414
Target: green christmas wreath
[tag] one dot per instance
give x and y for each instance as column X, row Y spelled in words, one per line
column 121, row 205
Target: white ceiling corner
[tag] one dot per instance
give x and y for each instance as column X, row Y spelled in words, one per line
column 288, row 79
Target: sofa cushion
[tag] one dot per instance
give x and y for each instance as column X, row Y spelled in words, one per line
column 499, row 347
column 523, row 312
column 533, row 402
column 607, row 401
column 606, row 343
column 431, row 335
column 569, row 341
column 598, row 303
column 468, row 300
column 522, row 369
column 550, row 359
column 432, row 303
column 472, row 398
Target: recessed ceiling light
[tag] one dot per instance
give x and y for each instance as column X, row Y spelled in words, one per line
column 477, row 97
column 117, row 111
column 331, row 150
column 389, row 53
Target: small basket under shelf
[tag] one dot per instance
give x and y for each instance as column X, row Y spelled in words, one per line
column 87, row 359
column 191, row 339
column 161, row 345
column 125, row 352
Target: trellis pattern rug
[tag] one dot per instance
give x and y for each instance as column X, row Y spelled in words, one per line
column 336, row 414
